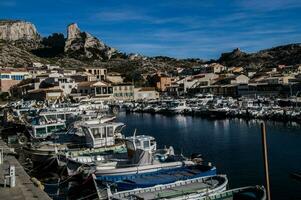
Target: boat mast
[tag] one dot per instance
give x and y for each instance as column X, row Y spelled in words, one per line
column 265, row 159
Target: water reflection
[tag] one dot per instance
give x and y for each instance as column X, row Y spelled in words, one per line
column 234, row 146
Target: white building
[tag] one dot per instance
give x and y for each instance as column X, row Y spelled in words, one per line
column 198, row 80
column 66, row 84
column 146, row 93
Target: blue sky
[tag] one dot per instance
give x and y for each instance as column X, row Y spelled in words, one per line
column 177, row 28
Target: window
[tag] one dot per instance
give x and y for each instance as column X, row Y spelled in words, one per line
column 110, row 131
column 146, row 144
column 96, row 132
column 104, row 90
column 41, row 131
column 103, row 132
column 4, row 76
column 51, row 129
column 98, row 90
column 137, row 143
column 61, row 116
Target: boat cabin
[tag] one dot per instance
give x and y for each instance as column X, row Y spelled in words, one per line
column 40, row 127
column 101, row 134
column 44, row 130
column 143, row 142
column 61, row 115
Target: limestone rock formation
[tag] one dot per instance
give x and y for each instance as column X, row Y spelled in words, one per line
column 13, row 30
column 85, row 46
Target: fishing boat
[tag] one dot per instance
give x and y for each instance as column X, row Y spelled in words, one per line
column 183, row 189
column 146, row 159
column 40, row 127
column 88, row 164
column 177, row 107
column 98, row 138
column 165, row 176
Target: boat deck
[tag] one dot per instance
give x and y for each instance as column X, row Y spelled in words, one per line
column 178, row 190
column 181, row 188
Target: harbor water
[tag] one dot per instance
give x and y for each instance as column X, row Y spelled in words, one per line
column 232, row 145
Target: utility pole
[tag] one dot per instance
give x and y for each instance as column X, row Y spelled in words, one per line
column 265, row 160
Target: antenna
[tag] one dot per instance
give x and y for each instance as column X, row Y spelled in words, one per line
column 134, row 135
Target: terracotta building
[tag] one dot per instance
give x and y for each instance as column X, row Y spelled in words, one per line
column 11, row 76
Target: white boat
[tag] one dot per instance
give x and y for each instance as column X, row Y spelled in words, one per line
column 185, row 189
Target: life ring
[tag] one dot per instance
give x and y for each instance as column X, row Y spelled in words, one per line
column 22, row 139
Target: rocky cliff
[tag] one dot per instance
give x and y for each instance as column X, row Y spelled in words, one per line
column 85, row 46
column 282, row 55
column 17, row 30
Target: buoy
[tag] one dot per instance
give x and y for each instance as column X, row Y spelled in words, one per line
column 37, row 183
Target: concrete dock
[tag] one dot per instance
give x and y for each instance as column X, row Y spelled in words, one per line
column 24, row 187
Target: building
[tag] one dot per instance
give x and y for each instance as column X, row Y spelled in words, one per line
column 99, row 73
column 232, row 79
column 215, row 68
column 240, row 79
column 83, row 76
column 11, row 76
column 145, row 93
column 49, row 94
column 197, row 80
column 115, row 77
column 95, row 89
column 66, row 84
column 176, row 89
column 280, row 80
column 164, row 82
column 123, row 91
column 236, row 70
column 23, row 87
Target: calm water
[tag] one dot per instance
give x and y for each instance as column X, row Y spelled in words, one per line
column 233, row 146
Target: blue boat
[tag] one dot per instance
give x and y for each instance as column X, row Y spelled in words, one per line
column 164, row 176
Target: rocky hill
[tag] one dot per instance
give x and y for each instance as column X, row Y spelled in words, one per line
column 83, row 45
column 281, row 55
column 21, row 44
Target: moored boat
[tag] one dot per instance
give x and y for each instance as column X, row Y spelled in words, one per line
column 244, row 193
column 184, row 189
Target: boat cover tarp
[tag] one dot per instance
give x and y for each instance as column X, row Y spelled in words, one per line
column 183, row 173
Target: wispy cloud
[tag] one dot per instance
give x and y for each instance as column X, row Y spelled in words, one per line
column 119, row 15
column 269, row 5
column 133, row 15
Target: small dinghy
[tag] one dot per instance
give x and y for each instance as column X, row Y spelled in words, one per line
column 244, row 193
column 185, row 189
column 165, row 177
